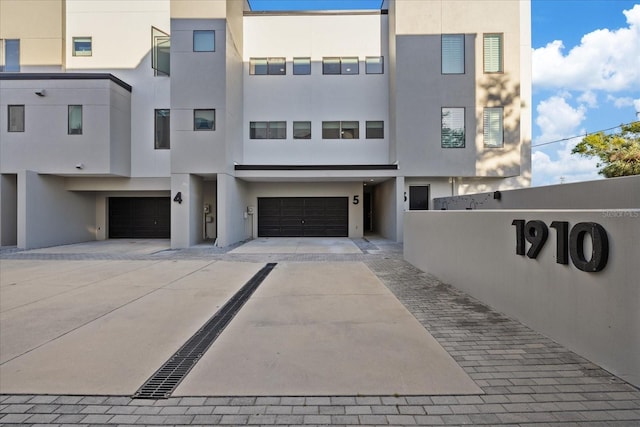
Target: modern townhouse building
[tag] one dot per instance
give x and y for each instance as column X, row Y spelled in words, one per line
column 202, row 120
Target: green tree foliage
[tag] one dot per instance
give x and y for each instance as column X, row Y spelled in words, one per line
column 619, row 153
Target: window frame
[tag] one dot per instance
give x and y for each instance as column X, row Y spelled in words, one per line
column 10, row 115
column 462, row 51
column 70, row 129
column 167, row 131
column 75, row 52
column 212, row 32
column 487, row 130
column 307, row 136
column 270, row 129
column 336, row 65
column 341, row 129
column 367, row 64
column 306, row 64
column 500, row 38
column 345, row 61
column 269, row 66
column 160, row 52
column 464, row 128
column 369, row 131
column 213, row 121
column 3, row 56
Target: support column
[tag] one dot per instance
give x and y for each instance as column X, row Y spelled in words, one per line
column 186, row 210
column 400, row 206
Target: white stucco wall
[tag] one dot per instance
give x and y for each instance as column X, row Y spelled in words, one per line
column 597, row 315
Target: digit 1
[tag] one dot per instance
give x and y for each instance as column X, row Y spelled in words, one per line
column 562, row 241
column 519, row 223
column 536, row 234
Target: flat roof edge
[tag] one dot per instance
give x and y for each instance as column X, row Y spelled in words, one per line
column 313, row 167
column 66, row 76
column 314, row 12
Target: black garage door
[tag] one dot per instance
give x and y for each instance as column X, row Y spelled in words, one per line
column 139, row 217
column 303, row 217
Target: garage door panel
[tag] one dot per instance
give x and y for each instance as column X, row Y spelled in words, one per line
column 303, row 216
column 139, row 217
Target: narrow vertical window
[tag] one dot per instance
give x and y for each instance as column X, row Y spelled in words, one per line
column 160, row 52
column 374, row 65
column 301, row 65
column 161, row 129
column 204, row 41
column 493, row 127
column 204, row 119
column 493, row 53
column 375, row 129
column 452, row 53
column 301, row 130
column 74, row 120
column 15, row 118
column 82, row 46
column 452, row 129
column 11, row 56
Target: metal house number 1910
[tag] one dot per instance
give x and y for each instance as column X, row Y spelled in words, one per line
column 568, row 243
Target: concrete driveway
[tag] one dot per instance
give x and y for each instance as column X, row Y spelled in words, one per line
column 317, row 328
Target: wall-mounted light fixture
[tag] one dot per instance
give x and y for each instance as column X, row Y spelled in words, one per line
column 41, row 92
column 80, row 166
column 497, row 195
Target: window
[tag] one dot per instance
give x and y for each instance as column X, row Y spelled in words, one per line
column 82, row 46
column 270, row 66
column 493, row 53
column 74, row 120
column 204, row 119
column 15, row 118
column 204, row 41
column 268, row 130
column 161, row 129
column 452, row 46
column 160, row 52
column 337, row 65
column 375, row 129
column 374, row 65
column 493, row 127
column 301, row 130
column 301, row 65
column 10, row 55
column 452, row 130
column 341, row 130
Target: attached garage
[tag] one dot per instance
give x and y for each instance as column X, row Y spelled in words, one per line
column 139, row 217
column 303, row 217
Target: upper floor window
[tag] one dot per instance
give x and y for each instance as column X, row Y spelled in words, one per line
column 375, row 129
column 341, row 130
column 160, row 52
column 204, row 41
column 452, row 128
column 301, row 130
column 301, row 65
column 161, row 129
column 15, row 116
column 82, row 46
column 204, row 119
column 374, row 64
column 493, row 121
column 340, row 65
column 74, row 122
column 493, row 53
column 452, row 46
column 267, row 66
column 268, row 130
column 10, row 55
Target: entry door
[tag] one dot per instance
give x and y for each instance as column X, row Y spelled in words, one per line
column 418, row 197
column 303, row 217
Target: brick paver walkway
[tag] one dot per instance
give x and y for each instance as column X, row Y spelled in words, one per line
column 527, row 379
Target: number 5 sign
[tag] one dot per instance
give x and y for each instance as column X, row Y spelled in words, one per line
column 568, row 243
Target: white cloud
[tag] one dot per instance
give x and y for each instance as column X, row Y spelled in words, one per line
column 557, row 119
column 604, row 60
column 589, row 98
column 636, row 103
column 565, row 168
column 620, row 102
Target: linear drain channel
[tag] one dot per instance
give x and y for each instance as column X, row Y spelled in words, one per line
column 166, row 379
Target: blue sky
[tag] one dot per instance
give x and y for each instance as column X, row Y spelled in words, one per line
column 586, row 74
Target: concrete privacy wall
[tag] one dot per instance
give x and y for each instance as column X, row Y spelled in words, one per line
column 611, row 193
column 597, row 315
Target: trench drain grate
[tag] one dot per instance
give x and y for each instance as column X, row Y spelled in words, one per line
column 165, row 380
